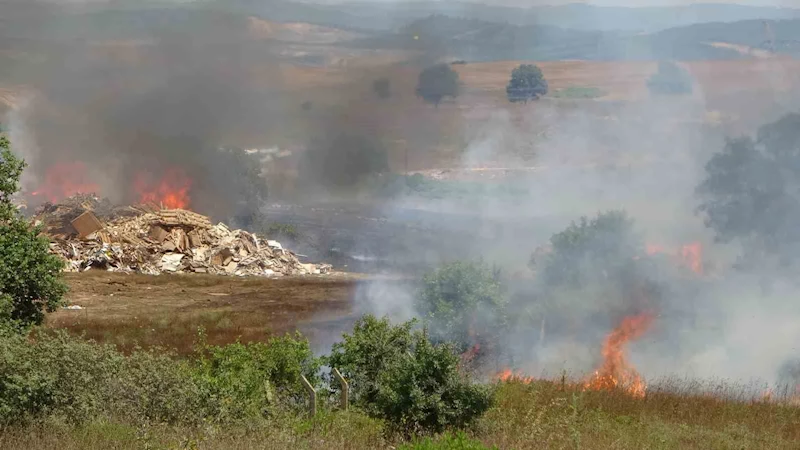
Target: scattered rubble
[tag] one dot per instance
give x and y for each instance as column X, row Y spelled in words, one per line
column 88, row 233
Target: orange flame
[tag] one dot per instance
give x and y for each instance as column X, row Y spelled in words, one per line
column 64, row 180
column 508, row 375
column 690, row 255
column 615, row 372
column 171, row 191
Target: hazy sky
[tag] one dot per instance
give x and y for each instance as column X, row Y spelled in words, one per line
column 784, row 3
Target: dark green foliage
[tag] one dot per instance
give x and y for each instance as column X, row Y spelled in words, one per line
column 603, row 247
column 448, row 441
column 363, row 355
column 437, row 82
column 751, row 191
column 397, row 374
column 527, row 83
column 55, row 375
column 464, row 302
column 244, row 377
column 382, row 88
column 344, row 160
column 670, row 79
column 77, row 380
column 30, row 277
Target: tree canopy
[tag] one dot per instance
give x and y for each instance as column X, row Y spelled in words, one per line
column 30, row 276
column 437, row 82
column 751, row 193
column 527, row 83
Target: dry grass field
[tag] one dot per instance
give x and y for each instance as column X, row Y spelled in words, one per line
column 166, row 311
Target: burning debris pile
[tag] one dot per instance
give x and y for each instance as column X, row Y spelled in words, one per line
column 90, row 233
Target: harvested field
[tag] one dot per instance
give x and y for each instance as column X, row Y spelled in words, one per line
column 166, row 310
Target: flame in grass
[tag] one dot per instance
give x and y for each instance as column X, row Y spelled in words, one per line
column 171, row 190
column 615, row 371
column 64, row 180
column 507, row 375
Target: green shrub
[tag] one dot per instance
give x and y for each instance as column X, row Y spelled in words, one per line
column 363, row 355
column 458, row 441
column 244, row 378
column 30, row 277
column 398, row 375
column 55, row 375
column 464, row 302
column 77, row 380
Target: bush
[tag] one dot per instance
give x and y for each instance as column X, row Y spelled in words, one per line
column 464, row 302
column 244, row 377
column 77, row 380
column 398, row 375
column 56, row 375
column 458, row 441
column 30, row 277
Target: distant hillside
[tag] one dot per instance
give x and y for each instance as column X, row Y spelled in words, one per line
column 393, row 15
column 477, row 40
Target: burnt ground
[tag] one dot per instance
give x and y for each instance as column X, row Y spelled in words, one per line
column 167, row 310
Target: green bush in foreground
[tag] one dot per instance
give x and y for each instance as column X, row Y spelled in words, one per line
column 398, row 375
column 245, row 378
column 56, row 375
column 458, row 441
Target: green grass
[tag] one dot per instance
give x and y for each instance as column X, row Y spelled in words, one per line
column 579, row 92
column 540, row 415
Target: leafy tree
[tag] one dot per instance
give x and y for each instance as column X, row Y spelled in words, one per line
column 605, row 246
column 527, row 83
column 30, row 276
column 670, row 79
column 465, row 303
column 751, row 193
column 382, row 88
column 437, row 82
column 399, row 375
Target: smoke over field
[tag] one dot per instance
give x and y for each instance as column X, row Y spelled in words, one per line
column 136, row 104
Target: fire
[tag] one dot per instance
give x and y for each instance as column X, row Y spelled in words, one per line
column 615, row 372
column 65, row 180
column 508, row 375
column 690, row 255
column 171, row 190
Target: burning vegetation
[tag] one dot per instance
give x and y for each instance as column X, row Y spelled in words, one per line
column 615, row 372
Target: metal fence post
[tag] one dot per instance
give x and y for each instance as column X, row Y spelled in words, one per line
column 312, row 397
column 344, row 401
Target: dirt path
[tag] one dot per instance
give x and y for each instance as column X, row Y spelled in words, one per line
column 166, row 311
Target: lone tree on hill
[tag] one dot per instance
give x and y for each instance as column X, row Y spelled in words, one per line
column 670, row 79
column 30, row 276
column 437, row 82
column 527, row 83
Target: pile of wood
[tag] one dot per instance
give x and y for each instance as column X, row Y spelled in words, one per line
column 152, row 241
